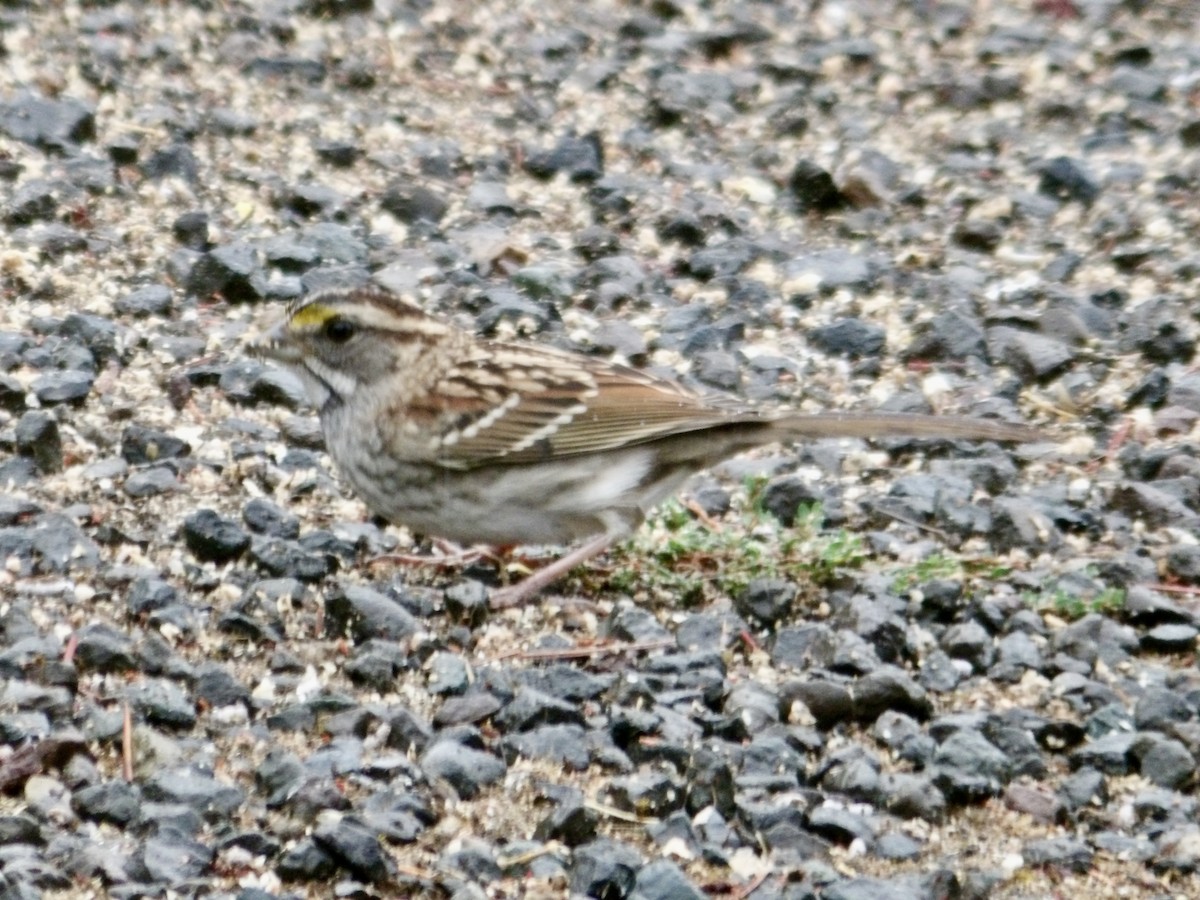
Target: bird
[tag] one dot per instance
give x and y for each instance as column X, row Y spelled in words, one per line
column 507, row 443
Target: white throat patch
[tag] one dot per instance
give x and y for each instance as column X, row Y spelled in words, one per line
column 320, row 381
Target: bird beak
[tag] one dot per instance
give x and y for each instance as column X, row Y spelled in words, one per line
column 275, row 344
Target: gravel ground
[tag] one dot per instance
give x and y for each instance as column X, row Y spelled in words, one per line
column 963, row 672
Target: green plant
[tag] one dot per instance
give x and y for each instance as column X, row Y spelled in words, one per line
column 678, row 553
column 1071, row 605
column 934, row 566
column 939, row 566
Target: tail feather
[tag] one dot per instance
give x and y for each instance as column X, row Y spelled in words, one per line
column 883, row 424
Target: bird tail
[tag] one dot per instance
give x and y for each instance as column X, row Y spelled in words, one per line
column 884, row 424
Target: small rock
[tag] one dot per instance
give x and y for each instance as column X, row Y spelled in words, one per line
column 151, row 300
column 366, row 613
column 1065, row 853
column 814, row 189
column 849, row 338
column 766, row 599
column 1066, row 179
column 570, row 821
column 564, row 745
column 652, row 794
column 661, row 879
column 172, row 859
column 1165, row 762
column 465, row 769
column 265, row 517
column 411, row 202
column 214, row 538
column 141, row 446
column 1034, row 800
column 356, row 847
column 66, row 386
column 1170, row 639
column 967, row 767
column 37, row 436
column 604, row 868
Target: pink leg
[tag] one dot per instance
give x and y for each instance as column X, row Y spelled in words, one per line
column 544, row 577
column 453, row 557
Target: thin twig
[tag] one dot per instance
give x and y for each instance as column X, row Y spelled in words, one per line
column 1116, row 440
column 620, row 814
column 417, row 872
column 698, row 511
column 127, row 744
column 583, row 652
column 70, row 647
column 455, row 559
column 1175, row 588
column 920, row 526
column 752, row 886
column 520, row 859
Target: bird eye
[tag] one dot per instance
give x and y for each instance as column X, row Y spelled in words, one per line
column 339, row 330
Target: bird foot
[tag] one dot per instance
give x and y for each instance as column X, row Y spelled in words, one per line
column 451, row 556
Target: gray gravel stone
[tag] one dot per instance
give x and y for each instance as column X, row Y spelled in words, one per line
column 1064, row 853
column 1110, row 754
column 464, row 769
column 366, row 613
column 967, row 766
column 174, row 860
column 661, row 879
column 68, row 386
column 1165, row 762
column 604, row 867
column 150, row 482
column 356, row 847
column 37, row 436
column 565, row 745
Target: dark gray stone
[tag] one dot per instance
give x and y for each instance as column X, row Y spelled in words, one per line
column 604, row 868
column 356, row 847
column 151, row 300
column 37, row 436
column 214, row 538
column 967, row 767
column 66, row 386
column 464, row 769
column 1062, row 853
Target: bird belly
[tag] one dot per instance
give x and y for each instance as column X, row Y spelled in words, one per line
column 549, row 502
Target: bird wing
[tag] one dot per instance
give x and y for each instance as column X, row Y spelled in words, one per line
column 516, row 404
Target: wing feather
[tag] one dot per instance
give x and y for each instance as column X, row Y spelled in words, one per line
column 563, row 405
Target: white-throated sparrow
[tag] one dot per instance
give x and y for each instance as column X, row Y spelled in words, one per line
column 489, row 442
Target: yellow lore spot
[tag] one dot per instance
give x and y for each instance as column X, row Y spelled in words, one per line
column 312, row 316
